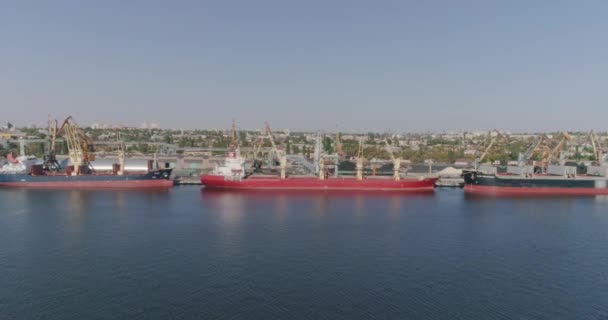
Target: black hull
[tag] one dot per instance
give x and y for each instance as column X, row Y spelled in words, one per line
column 157, row 178
column 483, row 183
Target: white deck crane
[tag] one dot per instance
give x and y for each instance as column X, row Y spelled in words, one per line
column 359, row 163
column 396, row 161
column 280, row 154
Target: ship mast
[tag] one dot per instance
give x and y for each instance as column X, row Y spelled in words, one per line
column 233, row 135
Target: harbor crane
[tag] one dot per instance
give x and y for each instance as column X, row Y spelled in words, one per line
column 597, row 149
column 489, row 146
column 78, row 144
column 565, row 137
column 536, row 144
column 50, row 160
column 280, row 154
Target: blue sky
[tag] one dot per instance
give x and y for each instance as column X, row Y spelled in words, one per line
column 352, row 65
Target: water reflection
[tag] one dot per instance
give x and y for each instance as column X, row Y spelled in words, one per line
column 229, row 209
column 531, row 196
column 227, row 201
column 395, row 206
column 320, row 204
column 282, row 203
column 77, row 201
column 120, row 199
column 359, row 206
column 601, row 199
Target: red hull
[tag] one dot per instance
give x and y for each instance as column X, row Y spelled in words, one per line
column 524, row 191
column 124, row 184
column 310, row 183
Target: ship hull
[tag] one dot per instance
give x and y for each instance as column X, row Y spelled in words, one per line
column 154, row 179
column 311, row 183
column 537, row 185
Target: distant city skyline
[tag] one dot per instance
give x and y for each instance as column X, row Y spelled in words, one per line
column 351, row 66
column 153, row 125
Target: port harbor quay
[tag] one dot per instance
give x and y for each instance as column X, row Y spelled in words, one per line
column 487, row 162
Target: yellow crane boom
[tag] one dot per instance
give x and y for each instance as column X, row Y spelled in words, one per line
column 595, row 145
column 276, row 150
column 338, row 146
column 77, row 141
column 280, row 153
column 558, row 147
column 487, row 149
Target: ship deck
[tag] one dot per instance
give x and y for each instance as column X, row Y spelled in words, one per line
column 549, row 177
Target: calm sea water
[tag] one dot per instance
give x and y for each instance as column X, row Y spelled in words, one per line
column 188, row 253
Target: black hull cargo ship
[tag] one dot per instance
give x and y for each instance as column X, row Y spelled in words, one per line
column 560, row 180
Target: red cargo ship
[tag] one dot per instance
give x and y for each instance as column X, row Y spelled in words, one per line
column 232, row 176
